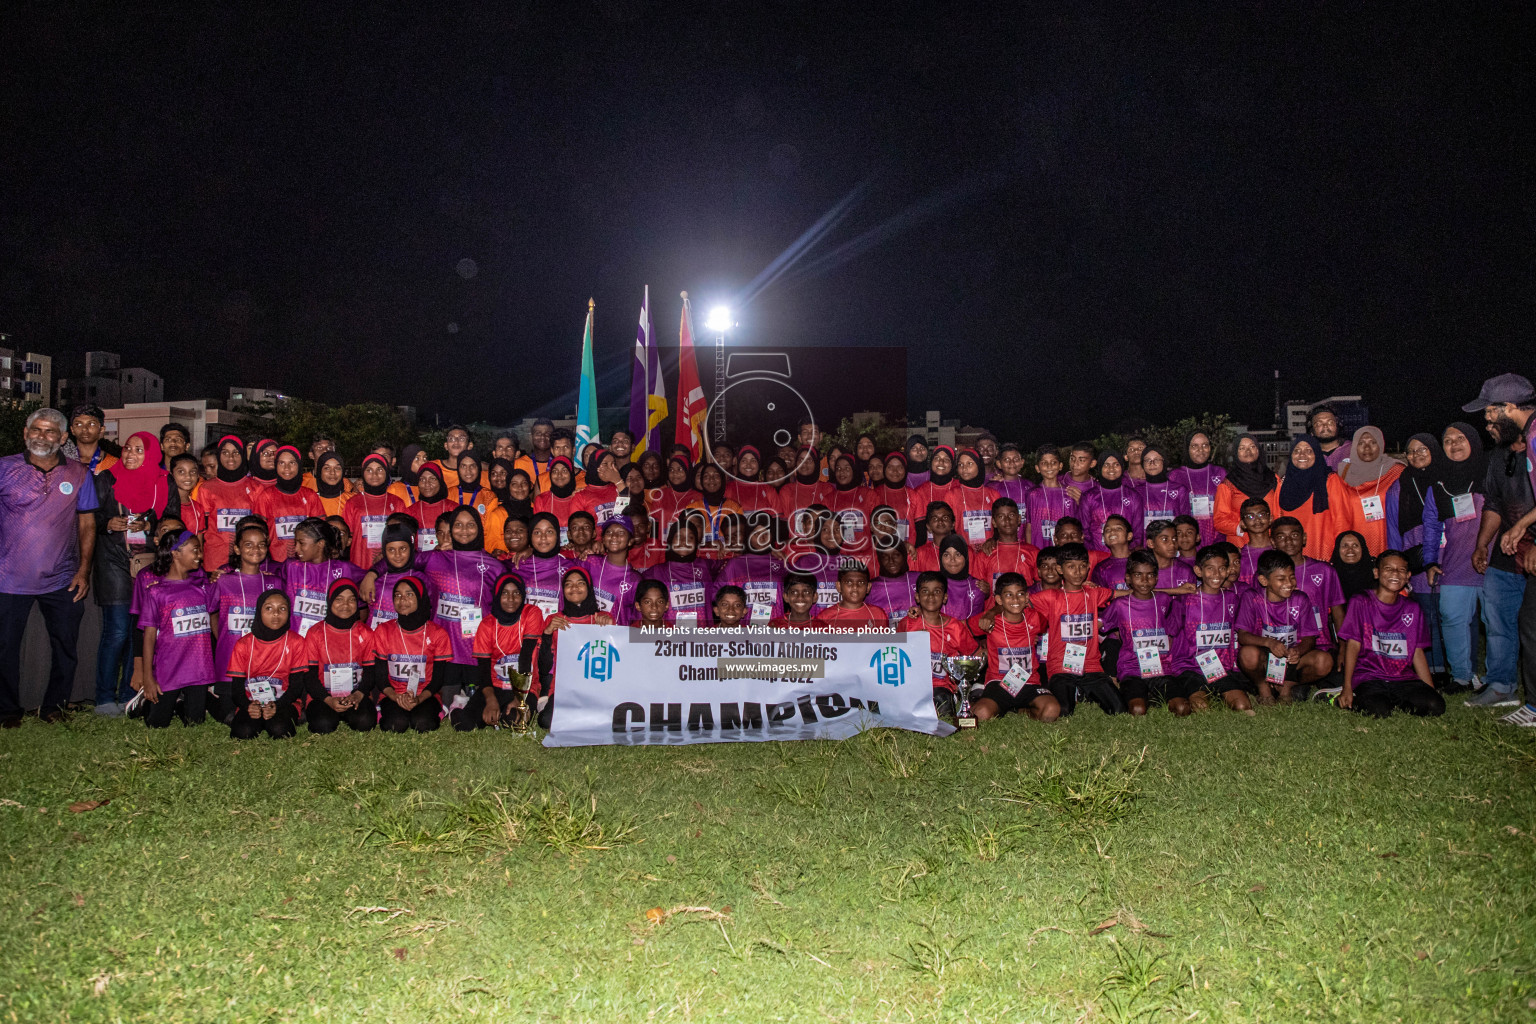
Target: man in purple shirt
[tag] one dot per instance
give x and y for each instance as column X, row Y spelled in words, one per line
column 1323, row 424
column 47, row 537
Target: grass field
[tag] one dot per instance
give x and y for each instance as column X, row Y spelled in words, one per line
column 1305, row 864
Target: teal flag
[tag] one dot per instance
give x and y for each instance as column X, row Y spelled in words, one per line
column 586, row 395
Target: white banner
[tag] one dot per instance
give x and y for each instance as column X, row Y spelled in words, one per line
column 627, row 686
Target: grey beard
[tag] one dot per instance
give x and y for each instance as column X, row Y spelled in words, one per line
column 43, row 449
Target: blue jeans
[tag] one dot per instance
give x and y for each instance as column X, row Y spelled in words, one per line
column 114, row 655
column 1436, row 653
column 1458, row 621
column 1502, row 594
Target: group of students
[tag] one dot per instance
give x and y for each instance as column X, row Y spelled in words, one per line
column 263, row 595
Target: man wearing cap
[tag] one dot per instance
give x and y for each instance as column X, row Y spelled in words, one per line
column 1508, row 404
column 47, row 538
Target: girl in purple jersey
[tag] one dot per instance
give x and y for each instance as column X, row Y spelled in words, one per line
column 314, row 563
column 1200, row 480
column 1384, row 638
column 178, row 642
column 461, row 579
column 232, row 601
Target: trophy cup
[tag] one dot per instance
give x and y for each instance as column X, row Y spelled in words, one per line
column 966, row 671
column 519, row 711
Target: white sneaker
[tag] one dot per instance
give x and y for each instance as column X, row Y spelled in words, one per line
column 133, row 702
column 1525, row 716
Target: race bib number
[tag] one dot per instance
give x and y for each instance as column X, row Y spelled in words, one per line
column 850, row 522
column 1074, row 657
column 1210, row 665
column 373, row 531
column 408, row 670
column 565, row 536
column 1149, row 518
column 977, row 522
column 604, row 600
column 286, row 525
column 1390, row 645
column 238, row 620
column 1213, row 636
column 503, row 668
column 460, row 609
column 1202, row 506
column 936, row 663
column 341, row 680
column 546, row 601
column 1043, row 647
column 190, row 622
column 1285, row 634
column 904, row 530
column 1149, row 660
column 309, row 606
column 1463, row 507
column 1371, row 505
column 827, row 595
column 1076, row 629
column 1018, row 665
column 263, row 689
column 1048, row 532
column 760, row 599
column 426, row 540
column 688, row 603
column 1274, row 669
column 224, row 519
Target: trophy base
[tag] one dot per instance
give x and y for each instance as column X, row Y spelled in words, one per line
column 966, row 722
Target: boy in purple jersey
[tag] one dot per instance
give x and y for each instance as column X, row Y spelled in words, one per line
column 1007, row 479
column 178, row 639
column 1317, row 580
column 1256, row 518
column 1147, row 622
column 757, row 572
column 1173, row 576
column 1117, row 541
column 1047, row 503
column 1277, row 632
column 1205, row 651
column 1384, row 639
column 1187, row 532
column 1080, row 482
column 690, row 582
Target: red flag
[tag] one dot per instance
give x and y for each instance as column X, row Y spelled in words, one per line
column 690, row 394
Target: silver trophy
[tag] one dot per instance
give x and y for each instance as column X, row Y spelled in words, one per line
column 966, row 671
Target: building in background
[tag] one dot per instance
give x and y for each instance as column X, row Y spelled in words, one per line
column 1352, row 411
column 248, row 398
column 109, row 384
column 205, row 420
column 24, row 376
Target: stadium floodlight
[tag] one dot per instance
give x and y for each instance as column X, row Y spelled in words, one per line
column 719, row 320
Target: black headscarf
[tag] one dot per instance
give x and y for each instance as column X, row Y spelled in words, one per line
column 1162, row 477
column 423, row 613
column 400, row 532
column 853, row 480
column 505, row 580
column 504, row 492
column 595, row 464
column 915, row 465
column 478, row 544
column 369, row 488
column 1189, row 460
column 1300, row 484
column 552, row 520
column 264, row 475
column 1110, row 485
column 1414, row 486
column 290, row 486
column 980, row 479
column 260, row 629
column 240, row 472
column 652, row 458
column 807, row 454
column 1360, row 577
column 407, row 456
column 1254, row 479
column 324, row 489
column 941, row 478
column 902, row 485
column 1455, row 478
column 336, row 621
column 954, row 541
column 518, row 509
column 717, row 496
column 587, row 606
column 678, row 525
column 687, row 484
column 755, row 477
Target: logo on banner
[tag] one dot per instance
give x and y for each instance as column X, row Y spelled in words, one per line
column 598, row 659
column 890, row 665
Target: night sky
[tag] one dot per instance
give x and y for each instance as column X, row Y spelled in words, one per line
column 1068, row 222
